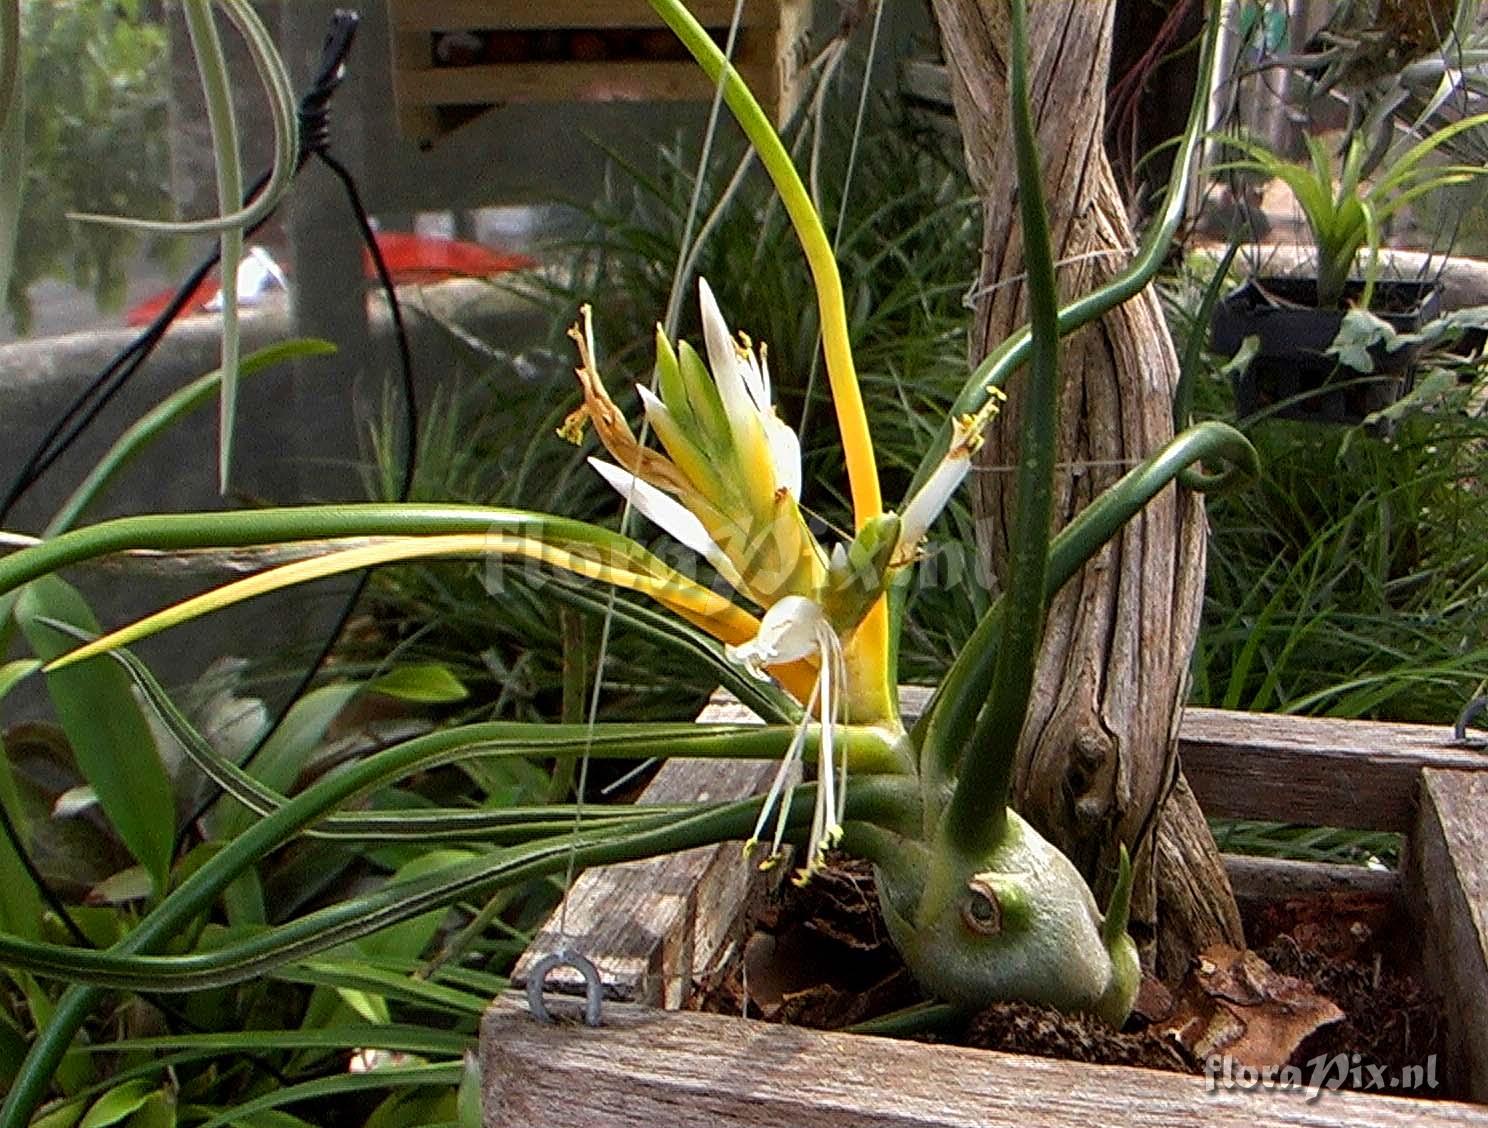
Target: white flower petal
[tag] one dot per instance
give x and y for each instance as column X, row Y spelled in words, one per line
column 756, row 380
column 727, row 366
column 788, row 632
column 930, row 500
column 651, row 404
column 673, row 517
column 785, row 453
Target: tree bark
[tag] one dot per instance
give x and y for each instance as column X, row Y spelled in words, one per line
column 1096, row 759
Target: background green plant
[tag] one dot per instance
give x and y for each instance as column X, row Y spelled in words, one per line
column 102, row 73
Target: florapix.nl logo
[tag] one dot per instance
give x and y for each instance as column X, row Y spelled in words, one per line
column 1318, row 1075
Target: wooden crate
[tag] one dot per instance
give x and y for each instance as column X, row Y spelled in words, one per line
column 580, row 51
column 651, row 926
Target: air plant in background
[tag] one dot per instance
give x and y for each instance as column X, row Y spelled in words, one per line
column 979, row 904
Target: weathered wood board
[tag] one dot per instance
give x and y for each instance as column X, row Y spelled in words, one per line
column 1361, row 775
column 646, row 1067
column 1448, row 877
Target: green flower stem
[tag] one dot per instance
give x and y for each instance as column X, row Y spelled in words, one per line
column 847, row 397
column 1004, row 360
column 976, row 812
column 945, row 728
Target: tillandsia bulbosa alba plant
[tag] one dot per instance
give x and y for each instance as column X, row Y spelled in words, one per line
column 980, row 905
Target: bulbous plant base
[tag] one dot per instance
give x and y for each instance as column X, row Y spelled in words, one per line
column 1016, row 922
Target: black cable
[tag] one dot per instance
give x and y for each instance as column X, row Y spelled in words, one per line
column 81, row 413
column 315, row 141
column 314, row 118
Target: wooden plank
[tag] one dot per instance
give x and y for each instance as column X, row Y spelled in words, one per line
column 1448, row 876
column 645, row 1068
column 452, row 15
column 412, row 52
column 680, row 912
column 1316, row 771
column 1258, row 881
column 1361, row 775
column 650, row 927
column 493, row 84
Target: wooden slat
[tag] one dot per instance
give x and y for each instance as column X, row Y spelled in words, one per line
column 411, row 53
column 565, row 82
column 1448, row 874
column 650, row 927
column 1258, row 881
column 645, row 1068
column 448, row 15
column 1242, row 765
column 1360, row 775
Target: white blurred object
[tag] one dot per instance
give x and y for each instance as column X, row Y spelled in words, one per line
column 258, row 275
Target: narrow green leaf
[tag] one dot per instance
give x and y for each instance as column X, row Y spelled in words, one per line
column 20, row 903
column 158, row 1111
column 411, row 938
column 355, row 976
column 12, row 1048
column 285, row 753
column 63, row 1116
column 211, row 65
column 403, row 1038
column 107, row 729
column 976, row 814
column 430, row 684
column 468, row 1103
column 343, row 1085
column 114, row 1106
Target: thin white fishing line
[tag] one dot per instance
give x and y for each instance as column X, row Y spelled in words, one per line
column 673, row 312
column 847, row 180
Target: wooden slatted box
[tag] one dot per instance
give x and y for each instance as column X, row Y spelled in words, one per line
column 452, row 58
column 651, row 928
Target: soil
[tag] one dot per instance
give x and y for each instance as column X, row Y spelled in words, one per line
column 820, row 956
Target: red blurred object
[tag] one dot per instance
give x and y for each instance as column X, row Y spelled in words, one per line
column 410, row 259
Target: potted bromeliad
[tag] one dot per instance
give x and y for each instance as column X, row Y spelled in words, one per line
column 979, row 904
column 1296, row 320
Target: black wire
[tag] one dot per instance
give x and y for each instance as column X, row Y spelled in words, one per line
column 87, row 405
column 314, row 118
column 315, row 141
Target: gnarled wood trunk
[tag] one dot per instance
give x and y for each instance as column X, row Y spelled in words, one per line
column 1096, row 759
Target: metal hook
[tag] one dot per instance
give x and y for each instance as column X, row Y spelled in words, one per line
column 1469, row 712
column 538, row 977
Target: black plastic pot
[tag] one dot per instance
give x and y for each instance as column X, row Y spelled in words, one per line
column 1292, row 367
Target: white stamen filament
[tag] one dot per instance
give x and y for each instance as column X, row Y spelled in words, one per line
column 793, row 629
